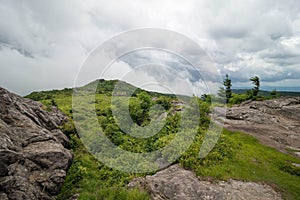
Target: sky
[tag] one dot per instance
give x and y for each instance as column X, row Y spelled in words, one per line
column 45, row 44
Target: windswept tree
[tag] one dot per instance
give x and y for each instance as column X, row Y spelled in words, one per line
column 221, row 93
column 228, row 91
column 255, row 90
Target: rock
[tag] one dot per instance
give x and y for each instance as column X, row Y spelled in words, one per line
column 296, row 165
column 3, row 196
column 275, row 123
column 177, row 183
column 33, row 151
column 3, row 169
column 74, row 197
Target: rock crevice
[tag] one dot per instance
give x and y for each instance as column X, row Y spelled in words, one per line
column 33, row 153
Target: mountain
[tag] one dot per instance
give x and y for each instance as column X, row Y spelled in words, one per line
column 33, row 150
column 267, row 93
column 102, row 87
column 255, row 168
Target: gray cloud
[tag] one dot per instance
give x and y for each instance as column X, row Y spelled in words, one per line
column 44, row 43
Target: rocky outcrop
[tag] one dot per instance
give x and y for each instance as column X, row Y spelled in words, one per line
column 274, row 122
column 33, row 154
column 177, row 183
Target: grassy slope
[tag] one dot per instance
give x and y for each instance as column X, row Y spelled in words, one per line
column 240, row 156
column 236, row 155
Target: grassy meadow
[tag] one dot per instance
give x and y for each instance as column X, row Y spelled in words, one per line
column 236, row 155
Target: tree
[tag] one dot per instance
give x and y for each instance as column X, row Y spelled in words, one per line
column 53, row 102
column 165, row 102
column 256, row 82
column 227, row 84
column 206, row 98
column 221, row 92
column 145, row 100
column 139, row 108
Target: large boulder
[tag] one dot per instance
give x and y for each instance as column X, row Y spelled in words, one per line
column 274, row 122
column 33, row 151
column 177, row 183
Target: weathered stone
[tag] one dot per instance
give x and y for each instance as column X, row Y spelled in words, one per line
column 3, row 196
column 274, row 122
column 3, row 169
column 177, row 183
column 33, row 154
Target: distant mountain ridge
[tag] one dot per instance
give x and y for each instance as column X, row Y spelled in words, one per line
column 267, row 93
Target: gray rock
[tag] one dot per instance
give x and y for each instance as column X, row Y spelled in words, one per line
column 177, row 183
column 33, row 153
column 274, row 122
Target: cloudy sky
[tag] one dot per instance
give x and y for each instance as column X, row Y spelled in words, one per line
column 43, row 44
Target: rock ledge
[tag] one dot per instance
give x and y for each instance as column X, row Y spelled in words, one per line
column 177, row 183
column 33, row 154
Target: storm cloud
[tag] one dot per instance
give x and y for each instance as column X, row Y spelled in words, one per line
column 43, row 44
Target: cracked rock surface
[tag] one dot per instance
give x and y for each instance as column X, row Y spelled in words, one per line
column 33, row 151
column 177, row 183
column 274, row 122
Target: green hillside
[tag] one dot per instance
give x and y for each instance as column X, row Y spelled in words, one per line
column 232, row 157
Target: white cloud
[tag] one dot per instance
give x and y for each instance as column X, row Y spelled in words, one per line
column 44, row 43
column 232, row 67
column 293, row 41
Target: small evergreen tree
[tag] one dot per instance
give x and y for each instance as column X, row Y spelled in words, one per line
column 227, row 84
column 221, row 92
column 255, row 90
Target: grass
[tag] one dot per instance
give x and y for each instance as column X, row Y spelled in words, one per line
column 94, row 181
column 246, row 159
column 236, row 155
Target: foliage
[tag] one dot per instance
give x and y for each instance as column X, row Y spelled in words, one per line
column 267, row 94
column 92, row 180
column 165, row 102
column 239, row 98
column 221, row 97
column 227, row 84
column 139, row 109
column 48, row 95
column 242, row 157
column 206, row 98
column 273, row 94
column 255, row 80
column 122, row 194
column 236, row 155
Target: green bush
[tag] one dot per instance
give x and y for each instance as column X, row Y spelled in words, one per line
column 289, row 168
column 236, row 155
column 238, row 98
